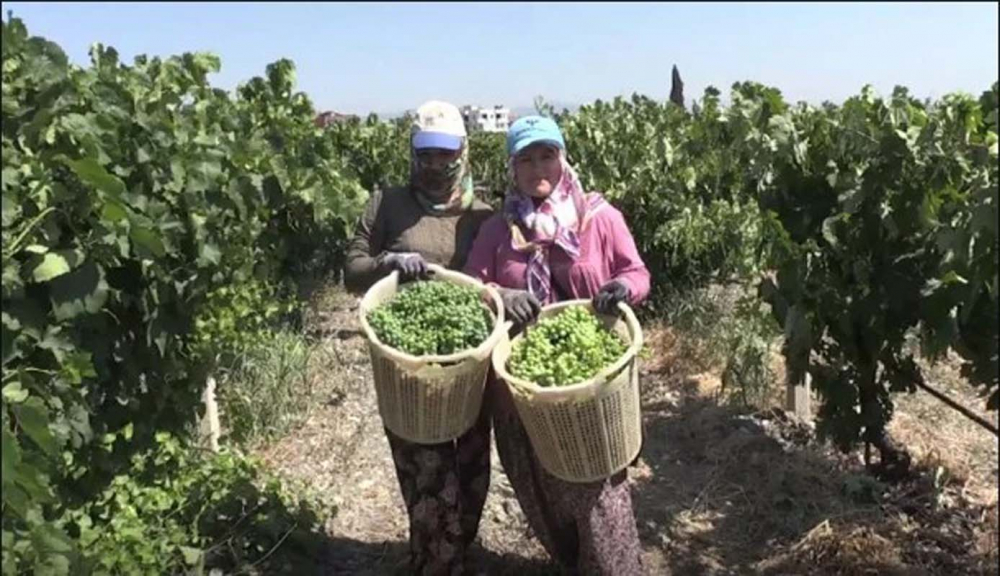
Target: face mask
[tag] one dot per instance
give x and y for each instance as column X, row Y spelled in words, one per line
column 438, row 180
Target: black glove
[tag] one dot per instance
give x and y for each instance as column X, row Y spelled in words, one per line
column 607, row 299
column 409, row 264
column 520, row 306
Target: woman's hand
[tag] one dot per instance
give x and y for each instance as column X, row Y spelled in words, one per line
column 520, row 306
column 607, row 299
column 410, row 265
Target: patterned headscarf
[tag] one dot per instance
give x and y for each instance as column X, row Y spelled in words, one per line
column 557, row 221
column 445, row 190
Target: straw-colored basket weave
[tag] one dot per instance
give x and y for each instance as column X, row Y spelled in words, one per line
column 429, row 399
column 586, row 431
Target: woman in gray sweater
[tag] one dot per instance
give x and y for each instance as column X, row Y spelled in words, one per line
column 433, row 219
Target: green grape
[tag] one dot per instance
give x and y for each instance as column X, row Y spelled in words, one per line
column 432, row 317
column 565, row 349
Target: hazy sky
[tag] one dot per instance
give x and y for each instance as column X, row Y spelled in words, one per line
column 386, row 57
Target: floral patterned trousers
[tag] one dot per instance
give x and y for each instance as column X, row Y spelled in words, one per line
column 444, row 487
column 589, row 528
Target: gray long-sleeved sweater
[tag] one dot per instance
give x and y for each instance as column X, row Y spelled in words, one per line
column 394, row 221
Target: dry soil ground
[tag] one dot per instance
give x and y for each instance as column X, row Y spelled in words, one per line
column 720, row 490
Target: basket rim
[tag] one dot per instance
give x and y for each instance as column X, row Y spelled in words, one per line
column 440, row 273
column 595, row 381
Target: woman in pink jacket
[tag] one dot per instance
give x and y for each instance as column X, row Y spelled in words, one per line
column 553, row 242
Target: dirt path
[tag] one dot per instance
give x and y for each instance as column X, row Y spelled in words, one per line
column 717, row 492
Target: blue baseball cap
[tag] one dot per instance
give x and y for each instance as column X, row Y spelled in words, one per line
column 531, row 130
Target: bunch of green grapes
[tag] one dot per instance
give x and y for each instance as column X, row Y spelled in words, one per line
column 432, row 317
column 565, row 349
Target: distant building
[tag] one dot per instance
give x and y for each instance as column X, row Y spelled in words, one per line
column 326, row 118
column 496, row 119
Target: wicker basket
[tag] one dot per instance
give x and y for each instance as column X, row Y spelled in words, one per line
column 429, row 399
column 587, row 431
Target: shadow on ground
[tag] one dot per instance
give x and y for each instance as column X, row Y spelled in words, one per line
column 733, row 492
column 346, row 556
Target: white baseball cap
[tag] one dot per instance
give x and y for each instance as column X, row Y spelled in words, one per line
column 438, row 125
